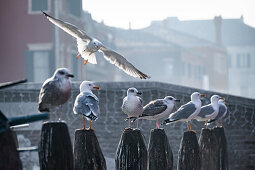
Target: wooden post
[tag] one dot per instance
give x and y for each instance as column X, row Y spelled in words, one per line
column 87, row 152
column 222, row 163
column 208, row 150
column 55, row 148
column 131, row 152
column 9, row 156
column 188, row 156
column 159, row 151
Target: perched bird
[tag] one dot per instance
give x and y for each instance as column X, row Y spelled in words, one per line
column 209, row 111
column 88, row 46
column 55, row 91
column 86, row 103
column 223, row 109
column 188, row 111
column 132, row 104
column 158, row 109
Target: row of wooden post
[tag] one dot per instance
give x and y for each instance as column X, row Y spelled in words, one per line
column 55, row 150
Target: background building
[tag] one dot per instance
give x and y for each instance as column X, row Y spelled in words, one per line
column 216, row 54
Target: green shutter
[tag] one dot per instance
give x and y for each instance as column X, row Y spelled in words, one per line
column 29, row 65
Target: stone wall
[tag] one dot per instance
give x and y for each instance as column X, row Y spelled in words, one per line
column 239, row 123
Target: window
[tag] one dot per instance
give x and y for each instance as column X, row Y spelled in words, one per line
column 41, row 66
column 74, row 7
column 35, row 6
column 243, row 60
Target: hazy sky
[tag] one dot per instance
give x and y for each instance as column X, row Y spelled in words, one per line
column 140, row 13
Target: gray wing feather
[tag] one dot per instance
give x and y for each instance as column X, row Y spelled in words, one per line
column 122, row 63
column 222, row 110
column 86, row 104
column 49, row 93
column 154, row 107
column 183, row 112
column 205, row 110
column 67, row 27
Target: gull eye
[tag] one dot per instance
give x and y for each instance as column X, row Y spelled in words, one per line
column 61, row 72
column 89, row 84
column 132, row 91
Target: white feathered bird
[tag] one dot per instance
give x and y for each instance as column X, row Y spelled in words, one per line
column 88, row 46
column 86, row 103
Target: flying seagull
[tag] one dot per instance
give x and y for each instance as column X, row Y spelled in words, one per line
column 188, row 111
column 222, row 112
column 55, row 91
column 132, row 104
column 86, row 103
column 209, row 111
column 158, row 109
column 88, row 46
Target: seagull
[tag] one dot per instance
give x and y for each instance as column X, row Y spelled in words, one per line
column 132, row 104
column 188, row 111
column 55, row 91
column 222, row 112
column 209, row 111
column 86, row 103
column 88, row 46
column 158, row 109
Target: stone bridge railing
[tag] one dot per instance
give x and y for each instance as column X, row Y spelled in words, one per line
column 239, row 123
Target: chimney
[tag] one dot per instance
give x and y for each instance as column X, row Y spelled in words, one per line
column 218, row 32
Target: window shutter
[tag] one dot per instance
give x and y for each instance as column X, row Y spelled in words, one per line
column 29, row 65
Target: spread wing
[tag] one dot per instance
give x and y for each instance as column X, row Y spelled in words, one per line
column 67, row 27
column 122, row 63
column 87, row 105
column 49, row 93
column 183, row 112
column 205, row 111
column 154, row 108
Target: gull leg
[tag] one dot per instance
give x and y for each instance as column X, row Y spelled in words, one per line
column 128, row 123
column 216, row 121
column 83, row 122
column 78, row 56
column 60, row 114
column 191, row 128
column 137, row 124
column 89, row 124
column 188, row 126
column 157, row 124
column 206, row 124
column 85, row 61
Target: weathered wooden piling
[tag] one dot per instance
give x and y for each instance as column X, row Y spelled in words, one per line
column 9, row 156
column 222, row 163
column 188, row 155
column 55, row 148
column 160, row 154
column 87, row 152
column 208, row 150
column 131, row 152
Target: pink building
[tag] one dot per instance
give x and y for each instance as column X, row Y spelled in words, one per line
column 31, row 46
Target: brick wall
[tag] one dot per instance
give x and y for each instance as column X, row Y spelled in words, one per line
column 239, row 124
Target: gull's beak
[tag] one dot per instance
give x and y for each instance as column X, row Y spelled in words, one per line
column 177, row 100
column 223, row 98
column 96, row 87
column 70, row 75
column 226, row 103
column 139, row 93
column 202, row 95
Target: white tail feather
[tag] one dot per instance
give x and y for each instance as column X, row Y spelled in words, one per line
column 91, row 58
